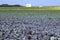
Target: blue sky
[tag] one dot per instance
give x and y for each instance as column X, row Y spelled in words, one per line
column 33, row 2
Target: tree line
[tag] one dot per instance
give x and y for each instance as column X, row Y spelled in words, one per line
column 6, row 5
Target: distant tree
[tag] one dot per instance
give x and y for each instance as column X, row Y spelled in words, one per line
column 6, row 5
column 3, row 5
column 17, row 5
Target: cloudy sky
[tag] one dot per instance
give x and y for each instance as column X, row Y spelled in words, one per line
column 33, row 2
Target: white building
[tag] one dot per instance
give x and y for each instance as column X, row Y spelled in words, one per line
column 58, row 38
column 53, row 38
column 28, row 5
column 40, row 6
